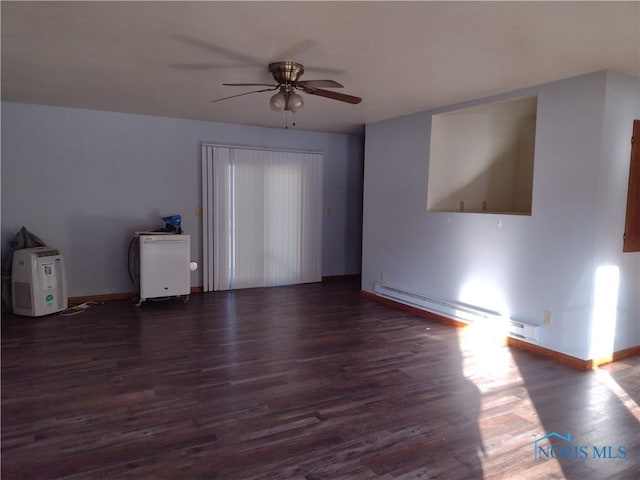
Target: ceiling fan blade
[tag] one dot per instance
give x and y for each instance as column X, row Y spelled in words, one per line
column 249, row 85
column 343, row 97
column 245, row 93
column 320, row 84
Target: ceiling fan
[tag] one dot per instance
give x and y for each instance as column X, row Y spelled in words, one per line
column 287, row 76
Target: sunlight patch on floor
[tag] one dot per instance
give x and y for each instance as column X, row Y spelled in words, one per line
column 629, row 403
column 507, row 413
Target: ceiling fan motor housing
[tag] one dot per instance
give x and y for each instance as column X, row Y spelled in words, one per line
column 286, row 72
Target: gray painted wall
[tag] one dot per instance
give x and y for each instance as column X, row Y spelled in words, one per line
column 85, row 180
column 520, row 265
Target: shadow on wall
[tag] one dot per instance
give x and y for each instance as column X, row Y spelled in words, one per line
column 353, row 228
column 493, row 190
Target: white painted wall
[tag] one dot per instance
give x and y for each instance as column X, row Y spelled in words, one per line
column 521, row 265
column 85, row 180
column 622, row 104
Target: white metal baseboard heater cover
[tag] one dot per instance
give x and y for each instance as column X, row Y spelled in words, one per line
column 457, row 310
column 524, row 331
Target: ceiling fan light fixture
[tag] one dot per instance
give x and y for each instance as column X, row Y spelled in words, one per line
column 295, row 102
column 278, row 102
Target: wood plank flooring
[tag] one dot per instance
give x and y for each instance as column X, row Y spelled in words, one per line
column 306, row 382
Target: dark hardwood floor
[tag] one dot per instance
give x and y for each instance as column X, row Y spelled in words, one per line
column 307, row 382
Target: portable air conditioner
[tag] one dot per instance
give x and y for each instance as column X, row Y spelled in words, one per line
column 38, row 285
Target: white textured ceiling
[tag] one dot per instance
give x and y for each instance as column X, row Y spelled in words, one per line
column 170, row 58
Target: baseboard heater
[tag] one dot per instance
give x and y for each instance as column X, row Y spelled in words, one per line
column 460, row 311
column 524, row 331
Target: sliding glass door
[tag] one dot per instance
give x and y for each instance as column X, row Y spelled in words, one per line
column 262, row 217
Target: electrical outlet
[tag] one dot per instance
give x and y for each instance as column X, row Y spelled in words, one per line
column 548, row 317
column 198, row 211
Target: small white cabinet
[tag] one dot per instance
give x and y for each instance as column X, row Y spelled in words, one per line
column 164, row 266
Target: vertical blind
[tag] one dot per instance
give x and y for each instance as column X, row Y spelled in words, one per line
column 262, row 217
